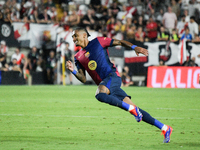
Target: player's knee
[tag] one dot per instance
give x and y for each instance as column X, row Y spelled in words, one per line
column 101, row 97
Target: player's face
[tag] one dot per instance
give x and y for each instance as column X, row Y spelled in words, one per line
column 78, row 38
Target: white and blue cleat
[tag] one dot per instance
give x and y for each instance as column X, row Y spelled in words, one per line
column 167, row 134
column 136, row 113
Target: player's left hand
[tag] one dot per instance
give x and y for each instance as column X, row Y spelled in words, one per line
column 141, row 50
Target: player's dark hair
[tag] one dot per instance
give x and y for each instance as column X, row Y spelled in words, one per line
column 82, row 29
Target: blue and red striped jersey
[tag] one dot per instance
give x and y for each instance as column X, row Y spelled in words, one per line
column 94, row 58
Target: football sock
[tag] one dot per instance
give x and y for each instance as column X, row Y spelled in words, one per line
column 147, row 117
column 160, row 125
column 109, row 99
column 126, row 106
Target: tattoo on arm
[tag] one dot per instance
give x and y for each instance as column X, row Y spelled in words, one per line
column 122, row 43
column 80, row 75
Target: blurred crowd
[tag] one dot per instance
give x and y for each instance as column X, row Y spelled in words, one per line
column 132, row 20
column 142, row 20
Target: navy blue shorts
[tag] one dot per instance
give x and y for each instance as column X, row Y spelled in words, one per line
column 113, row 83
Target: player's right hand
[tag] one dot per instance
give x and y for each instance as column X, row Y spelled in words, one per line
column 69, row 65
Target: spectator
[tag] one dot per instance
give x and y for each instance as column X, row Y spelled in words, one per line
column 161, row 63
column 74, row 19
column 119, row 27
column 162, row 35
column 90, row 19
column 51, row 67
column 12, row 66
column 121, row 15
column 160, row 15
column 131, row 9
column 44, row 17
column 129, row 23
column 126, row 78
column 33, row 58
column 111, row 27
column 151, row 29
column 20, row 57
column 175, row 8
column 174, row 36
column 130, row 33
column 34, row 17
column 140, row 34
column 191, row 62
column 140, row 7
column 41, row 6
column 184, row 4
column 192, row 7
column 187, row 17
column 114, row 9
column 197, row 39
column 53, row 14
column 193, row 26
column 65, row 18
column 169, row 20
column 3, row 53
column 15, row 15
column 7, row 15
column 187, row 35
column 68, row 56
column 106, row 3
column 181, row 26
column 22, row 10
column 29, row 7
column 140, row 22
column 96, row 5
column 152, row 14
column 104, row 18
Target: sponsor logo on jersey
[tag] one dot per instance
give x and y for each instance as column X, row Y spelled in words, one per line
column 87, row 54
column 92, row 65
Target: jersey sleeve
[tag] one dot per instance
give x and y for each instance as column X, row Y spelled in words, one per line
column 105, row 42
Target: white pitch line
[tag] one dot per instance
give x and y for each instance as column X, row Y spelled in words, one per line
column 72, row 116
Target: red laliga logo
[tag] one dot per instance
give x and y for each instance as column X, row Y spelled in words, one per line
column 174, row 77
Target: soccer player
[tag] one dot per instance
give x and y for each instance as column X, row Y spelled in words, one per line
column 94, row 58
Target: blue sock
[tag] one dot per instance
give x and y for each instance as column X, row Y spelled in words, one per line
column 158, row 124
column 147, row 117
column 125, row 106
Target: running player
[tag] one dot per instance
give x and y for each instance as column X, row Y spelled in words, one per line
column 94, row 59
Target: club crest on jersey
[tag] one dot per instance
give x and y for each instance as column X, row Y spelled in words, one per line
column 87, row 54
column 92, row 65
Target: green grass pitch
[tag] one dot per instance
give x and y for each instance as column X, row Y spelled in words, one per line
column 70, row 118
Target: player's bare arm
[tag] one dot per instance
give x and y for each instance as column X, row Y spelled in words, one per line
column 80, row 75
column 130, row 45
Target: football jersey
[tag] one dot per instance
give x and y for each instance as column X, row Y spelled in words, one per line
column 94, row 58
column 19, row 57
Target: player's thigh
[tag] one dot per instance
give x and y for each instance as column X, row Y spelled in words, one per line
column 110, row 84
column 102, row 89
column 120, row 94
